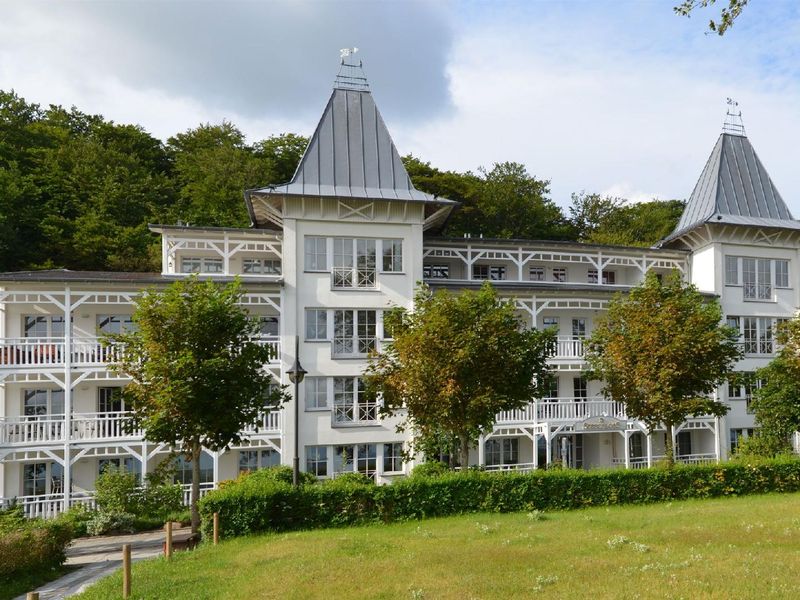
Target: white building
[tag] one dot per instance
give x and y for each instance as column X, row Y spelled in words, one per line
column 328, row 252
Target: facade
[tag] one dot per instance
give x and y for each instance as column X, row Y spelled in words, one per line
column 328, row 253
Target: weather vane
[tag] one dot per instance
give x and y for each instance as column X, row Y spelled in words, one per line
column 345, row 52
column 733, row 119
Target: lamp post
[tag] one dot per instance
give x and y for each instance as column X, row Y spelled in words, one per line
column 296, row 375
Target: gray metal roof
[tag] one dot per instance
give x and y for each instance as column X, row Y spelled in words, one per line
column 734, row 188
column 351, row 154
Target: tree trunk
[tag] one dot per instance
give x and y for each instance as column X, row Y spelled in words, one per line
column 669, row 447
column 464, row 453
column 195, row 486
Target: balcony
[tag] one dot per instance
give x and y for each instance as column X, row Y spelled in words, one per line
column 563, row 409
column 566, row 348
column 23, row 354
column 355, row 414
column 268, row 423
column 44, row 429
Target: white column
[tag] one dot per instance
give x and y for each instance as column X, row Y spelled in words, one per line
column 67, row 395
column 626, row 436
column 717, row 440
column 649, row 449
column 145, row 462
column 226, row 256
column 548, row 447
column 535, row 451
column 481, row 451
column 215, row 467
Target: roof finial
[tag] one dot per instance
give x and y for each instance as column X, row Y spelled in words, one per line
column 733, row 119
column 351, row 76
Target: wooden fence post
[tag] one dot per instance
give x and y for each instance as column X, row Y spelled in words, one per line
column 126, row 571
column 168, row 542
column 32, row 596
column 216, row 528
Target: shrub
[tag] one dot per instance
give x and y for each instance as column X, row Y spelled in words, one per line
column 159, row 501
column 104, row 522
column 33, row 545
column 351, row 479
column 430, row 469
column 116, row 490
column 254, row 505
column 77, row 517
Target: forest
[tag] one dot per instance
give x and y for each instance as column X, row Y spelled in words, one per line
column 77, row 191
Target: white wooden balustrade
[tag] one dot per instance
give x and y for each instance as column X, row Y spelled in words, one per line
column 568, row 348
column 51, row 428
column 563, row 409
column 269, row 422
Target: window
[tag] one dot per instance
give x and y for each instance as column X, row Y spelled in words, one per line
column 115, row 323
column 346, row 272
column 737, row 435
column 252, row 460
column 268, row 326
column 579, row 389
column 551, row 387
column 536, row 273
column 34, row 479
column 392, row 256
column 316, row 393
column 317, row 460
column 261, row 266
column 367, row 461
column 354, row 331
column 197, row 264
column 436, row 271
column 316, row 249
column 343, row 458
column 183, row 469
column 578, row 328
column 609, row 277
column 756, row 278
column 127, row 464
column 550, row 323
column 559, row 275
column 42, row 403
column 758, row 335
column 316, row 324
column 350, row 402
column 684, row 443
column 109, row 399
column 503, row 451
column 782, row 273
column 490, row 272
column 636, row 445
column 44, row 326
column 393, row 457
column 731, row 270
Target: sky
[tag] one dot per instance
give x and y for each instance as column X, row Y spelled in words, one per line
column 620, row 97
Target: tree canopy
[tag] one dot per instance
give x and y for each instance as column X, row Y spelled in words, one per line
column 726, row 18
column 689, row 353
column 197, row 371
column 456, row 361
column 776, row 401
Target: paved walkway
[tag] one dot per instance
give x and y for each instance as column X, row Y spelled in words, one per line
column 98, row 557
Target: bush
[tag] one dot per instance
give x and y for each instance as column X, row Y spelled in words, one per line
column 31, row 544
column 77, row 517
column 159, row 501
column 430, row 469
column 254, row 505
column 351, row 479
column 105, row 522
column 116, row 491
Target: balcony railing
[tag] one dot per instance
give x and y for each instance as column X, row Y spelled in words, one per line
column 51, row 428
column 566, row 348
column 359, row 413
column 267, row 423
column 35, row 353
column 563, row 409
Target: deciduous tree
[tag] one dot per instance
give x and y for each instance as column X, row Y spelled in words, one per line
column 662, row 351
column 197, row 373
column 455, row 362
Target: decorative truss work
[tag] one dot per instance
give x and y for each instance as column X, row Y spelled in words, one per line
column 534, row 306
column 521, row 256
column 225, row 247
column 349, row 209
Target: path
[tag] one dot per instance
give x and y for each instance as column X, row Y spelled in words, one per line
column 97, row 557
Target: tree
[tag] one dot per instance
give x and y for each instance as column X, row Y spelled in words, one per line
column 455, row 362
column 776, row 402
column 726, row 18
column 604, row 220
column 662, row 351
column 197, row 372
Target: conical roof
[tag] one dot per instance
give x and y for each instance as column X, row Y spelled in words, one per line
column 734, row 188
column 351, row 154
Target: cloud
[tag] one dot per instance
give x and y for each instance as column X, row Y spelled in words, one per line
column 254, row 60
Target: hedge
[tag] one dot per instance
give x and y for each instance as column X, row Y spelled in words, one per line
column 28, row 545
column 263, row 504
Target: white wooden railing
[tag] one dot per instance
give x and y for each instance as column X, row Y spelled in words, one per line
column 269, row 422
column 51, row 428
column 46, row 506
column 86, row 351
column 566, row 347
column 101, row 426
column 515, row 467
column 563, row 409
column 204, row 489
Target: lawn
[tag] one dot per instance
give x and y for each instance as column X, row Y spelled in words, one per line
column 727, row 548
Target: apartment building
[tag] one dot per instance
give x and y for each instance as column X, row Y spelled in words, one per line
column 328, row 253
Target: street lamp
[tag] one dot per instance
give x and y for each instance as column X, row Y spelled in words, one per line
column 296, row 375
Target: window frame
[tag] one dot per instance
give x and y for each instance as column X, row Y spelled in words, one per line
column 395, row 254
column 321, row 385
column 203, row 263
column 312, row 266
column 359, row 322
column 323, row 323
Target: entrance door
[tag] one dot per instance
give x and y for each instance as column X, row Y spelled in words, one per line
column 569, row 451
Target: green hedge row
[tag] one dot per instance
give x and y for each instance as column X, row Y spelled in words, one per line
column 263, row 504
column 29, row 545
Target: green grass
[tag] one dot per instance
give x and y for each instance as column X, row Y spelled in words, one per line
column 22, row 584
column 727, row 548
